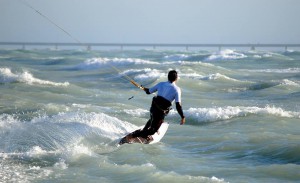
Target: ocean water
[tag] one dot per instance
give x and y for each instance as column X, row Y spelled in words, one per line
column 63, row 111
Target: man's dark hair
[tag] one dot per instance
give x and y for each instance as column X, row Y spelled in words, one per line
column 172, row 76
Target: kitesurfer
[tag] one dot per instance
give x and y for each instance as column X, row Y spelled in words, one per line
column 167, row 92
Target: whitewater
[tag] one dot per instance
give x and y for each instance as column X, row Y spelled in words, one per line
column 62, row 113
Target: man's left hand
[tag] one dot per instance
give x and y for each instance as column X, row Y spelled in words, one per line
column 182, row 121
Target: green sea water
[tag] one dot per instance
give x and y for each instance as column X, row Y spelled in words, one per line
column 62, row 113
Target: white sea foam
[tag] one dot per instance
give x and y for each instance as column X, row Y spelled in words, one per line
column 226, row 55
column 58, row 133
column 287, row 70
column 36, row 150
column 79, row 149
column 155, row 175
column 6, row 120
column 144, row 74
column 147, row 74
column 229, row 112
column 193, row 75
column 177, row 57
column 22, row 173
column 218, row 76
column 96, row 63
column 55, row 58
column 224, row 113
column 136, row 112
column 275, row 56
column 194, row 63
column 7, row 76
column 61, row 164
column 18, row 172
column 166, row 176
column 103, row 124
column 257, row 56
column 287, row 82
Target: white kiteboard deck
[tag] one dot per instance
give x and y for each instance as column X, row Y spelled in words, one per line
column 160, row 133
column 157, row 136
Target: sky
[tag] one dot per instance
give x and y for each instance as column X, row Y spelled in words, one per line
column 152, row 21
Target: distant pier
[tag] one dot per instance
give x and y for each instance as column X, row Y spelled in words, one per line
column 89, row 46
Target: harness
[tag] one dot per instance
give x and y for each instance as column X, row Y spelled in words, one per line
column 162, row 104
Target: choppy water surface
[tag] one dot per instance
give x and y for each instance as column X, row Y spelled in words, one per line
column 62, row 112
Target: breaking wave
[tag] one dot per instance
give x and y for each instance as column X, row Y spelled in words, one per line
column 144, row 75
column 52, row 133
column 46, row 144
column 96, row 63
column 7, row 76
column 287, row 70
column 226, row 55
column 202, row 115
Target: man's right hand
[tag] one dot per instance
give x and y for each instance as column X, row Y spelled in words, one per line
column 146, row 90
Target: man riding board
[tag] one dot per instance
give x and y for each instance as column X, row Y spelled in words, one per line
column 167, row 92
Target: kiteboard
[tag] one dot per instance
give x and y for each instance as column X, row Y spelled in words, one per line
column 156, row 137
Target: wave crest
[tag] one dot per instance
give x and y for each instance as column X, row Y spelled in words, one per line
column 224, row 113
column 96, row 63
column 226, row 55
column 7, row 76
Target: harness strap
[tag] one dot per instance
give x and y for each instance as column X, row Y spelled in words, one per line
column 162, row 104
column 158, row 107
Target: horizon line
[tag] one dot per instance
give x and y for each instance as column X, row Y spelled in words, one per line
column 147, row 44
column 89, row 46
